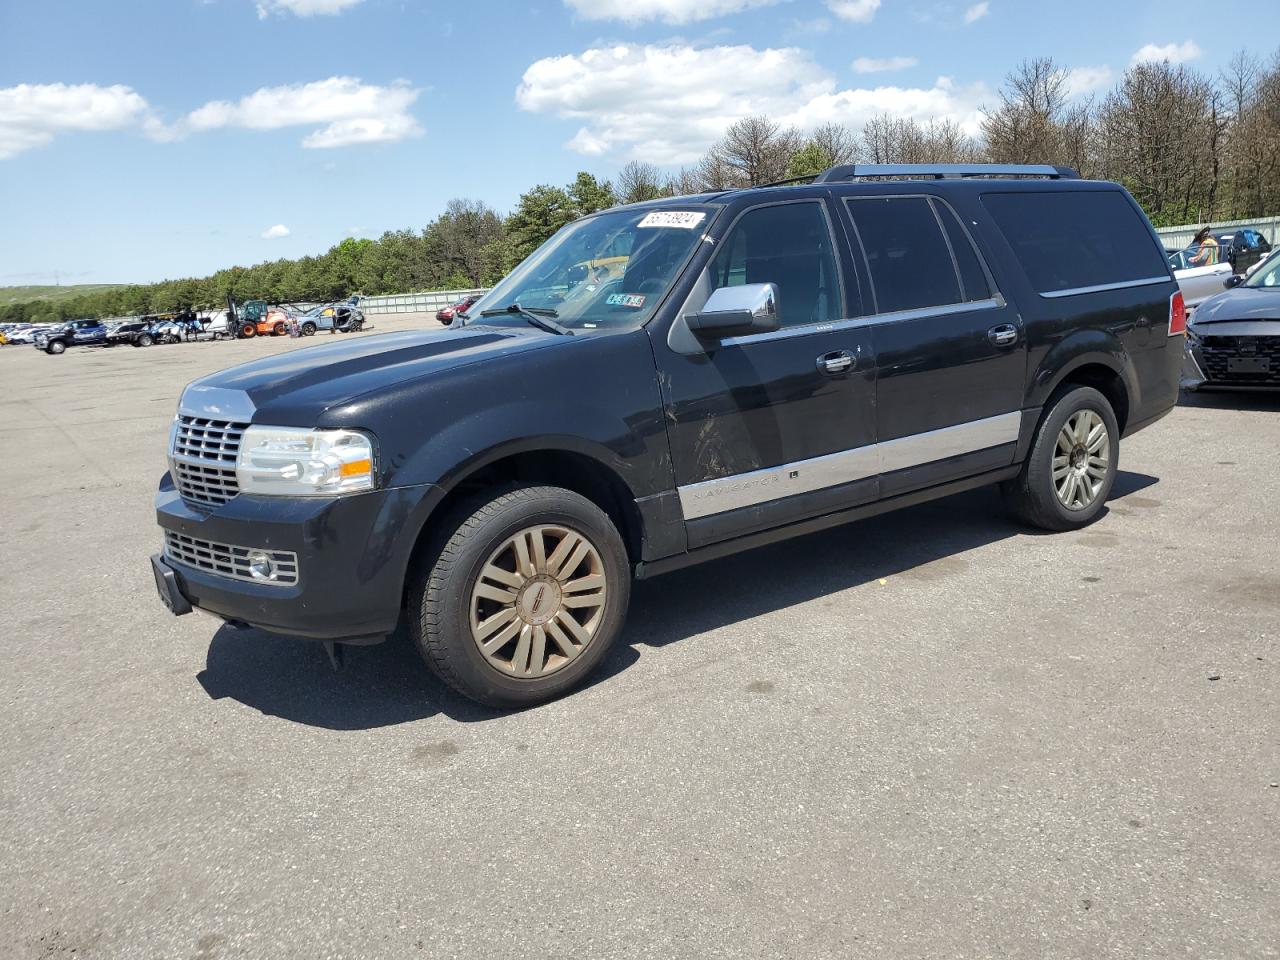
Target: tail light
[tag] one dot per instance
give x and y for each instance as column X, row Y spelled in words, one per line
column 1177, row 315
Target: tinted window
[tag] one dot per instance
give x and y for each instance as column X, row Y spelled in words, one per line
column 788, row 245
column 910, row 262
column 972, row 277
column 1076, row 238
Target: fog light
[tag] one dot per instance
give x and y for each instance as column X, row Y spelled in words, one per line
column 261, row 566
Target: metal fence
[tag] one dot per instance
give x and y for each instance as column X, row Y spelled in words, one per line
column 428, row 302
column 1176, row 238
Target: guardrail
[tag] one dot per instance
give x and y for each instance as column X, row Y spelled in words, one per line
column 1177, row 238
column 428, row 302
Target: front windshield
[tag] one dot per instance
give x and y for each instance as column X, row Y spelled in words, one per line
column 1267, row 275
column 608, row 271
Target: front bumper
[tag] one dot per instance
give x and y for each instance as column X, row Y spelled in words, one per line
column 353, row 554
column 1207, row 367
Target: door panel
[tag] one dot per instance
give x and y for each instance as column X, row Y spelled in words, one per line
column 754, row 423
column 950, row 352
column 767, row 428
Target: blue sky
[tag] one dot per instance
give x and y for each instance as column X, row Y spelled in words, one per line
column 166, row 138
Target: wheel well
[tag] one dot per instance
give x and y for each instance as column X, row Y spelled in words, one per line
column 557, row 468
column 1107, row 382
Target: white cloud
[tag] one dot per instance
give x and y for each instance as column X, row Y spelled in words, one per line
column 346, row 110
column 1085, row 80
column 943, row 101
column 303, row 8
column 667, row 103
column 31, row 115
column 882, row 64
column 856, row 11
column 668, row 11
column 1173, row 52
column 977, row 12
column 276, row 232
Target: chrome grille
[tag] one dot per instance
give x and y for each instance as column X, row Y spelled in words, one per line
column 204, row 459
column 227, row 560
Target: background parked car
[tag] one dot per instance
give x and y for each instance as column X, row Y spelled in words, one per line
column 134, row 332
column 75, row 333
column 1197, row 283
column 23, row 333
column 340, row 317
column 447, row 314
column 1233, row 340
column 1243, row 248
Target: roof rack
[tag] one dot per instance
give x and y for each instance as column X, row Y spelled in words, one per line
column 945, row 171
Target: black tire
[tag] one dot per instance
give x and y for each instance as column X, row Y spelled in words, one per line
column 55, row 347
column 1032, row 496
column 248, row 331
column 278, row 330
column 308, row 329
column 145, row 340
column 441, row 591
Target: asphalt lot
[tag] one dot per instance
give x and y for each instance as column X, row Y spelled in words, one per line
column 932, row 734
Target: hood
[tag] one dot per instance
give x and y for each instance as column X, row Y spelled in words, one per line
column 1240, row 304
column 298, row 386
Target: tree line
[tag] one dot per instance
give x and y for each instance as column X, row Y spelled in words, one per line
column 1190, row 147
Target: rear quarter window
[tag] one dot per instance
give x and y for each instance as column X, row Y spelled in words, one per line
column 1073, row 239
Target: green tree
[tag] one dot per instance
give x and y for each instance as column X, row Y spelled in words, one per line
column 809, row 160
column 540, row 213
column 589, row 194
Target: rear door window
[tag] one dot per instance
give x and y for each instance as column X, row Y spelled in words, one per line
column 1076, row 239
column 973, row 278
column 916, row 264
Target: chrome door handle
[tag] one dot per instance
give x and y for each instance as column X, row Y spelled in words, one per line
column 836, row 362
column 1004, row 335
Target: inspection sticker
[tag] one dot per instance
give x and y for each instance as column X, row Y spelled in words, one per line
column 625, row 300
column 684, row 219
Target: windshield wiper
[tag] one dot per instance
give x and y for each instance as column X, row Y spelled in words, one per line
column 541, row 317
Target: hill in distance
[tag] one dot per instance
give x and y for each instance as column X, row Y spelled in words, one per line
column 23, row 294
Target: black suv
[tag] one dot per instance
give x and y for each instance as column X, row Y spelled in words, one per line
column 761, row 363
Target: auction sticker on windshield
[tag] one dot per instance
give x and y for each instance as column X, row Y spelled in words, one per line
column 684, row 219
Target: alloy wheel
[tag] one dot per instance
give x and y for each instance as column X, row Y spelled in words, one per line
column 1081, row 460
column 538, row 602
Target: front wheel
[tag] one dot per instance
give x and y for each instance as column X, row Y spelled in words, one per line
column 1069, row 472
column 525, row 597
column 55, row 347
column 308, row 329
column 249, row 331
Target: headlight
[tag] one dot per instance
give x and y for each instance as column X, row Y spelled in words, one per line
column 290, row 462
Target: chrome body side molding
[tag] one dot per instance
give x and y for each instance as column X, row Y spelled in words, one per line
column 710, row 497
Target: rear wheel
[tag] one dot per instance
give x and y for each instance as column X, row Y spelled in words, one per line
column 524, row 598
column 145, row 340
column 278, row 330
column 1072, row 465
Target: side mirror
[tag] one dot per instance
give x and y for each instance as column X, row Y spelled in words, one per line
column 735, row 311
column 1233, row 281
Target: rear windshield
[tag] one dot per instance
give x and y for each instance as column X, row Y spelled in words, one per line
column 1075, row 239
